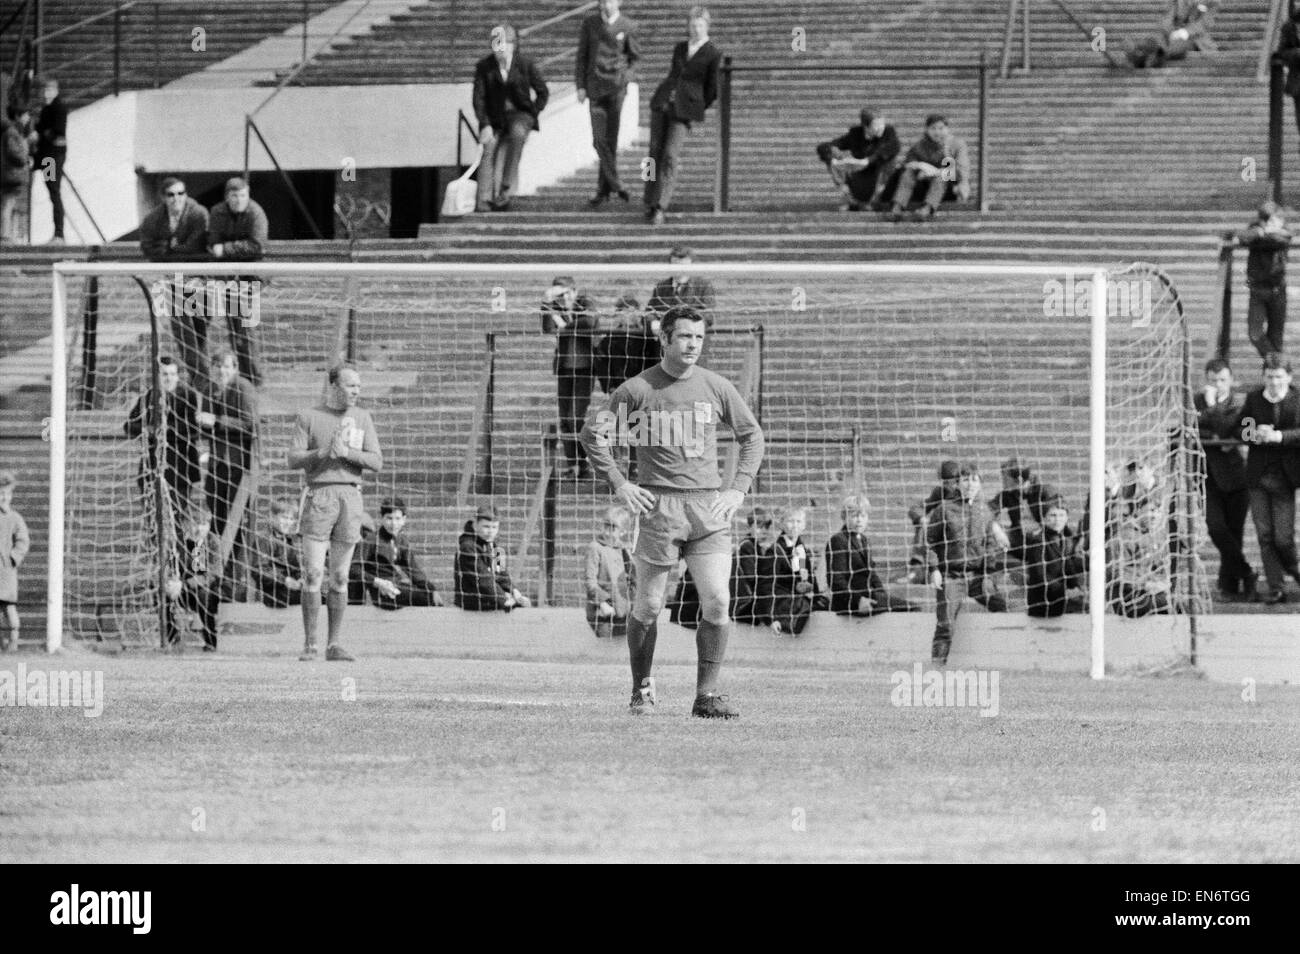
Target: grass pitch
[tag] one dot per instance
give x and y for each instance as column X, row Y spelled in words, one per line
column 245, row 758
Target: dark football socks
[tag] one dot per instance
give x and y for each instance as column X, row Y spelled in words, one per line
column 335, row 601
column 710, row 648
column 641, row 638
column 310, row 616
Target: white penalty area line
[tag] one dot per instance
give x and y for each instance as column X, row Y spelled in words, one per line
column 498, row 701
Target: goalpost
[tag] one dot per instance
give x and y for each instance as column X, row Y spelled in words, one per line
column 865, row 377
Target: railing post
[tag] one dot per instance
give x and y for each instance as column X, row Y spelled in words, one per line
column 1275, row 94
column 117, row 50
column 1005, row 67
column 984, row 134
column 38, row 14
column 1024, row 37
column 89, row 341
column 489, row 407
column 306, row 8
column 1223, row 344
column 720, row 198
column 549, row 523
column 248, row 124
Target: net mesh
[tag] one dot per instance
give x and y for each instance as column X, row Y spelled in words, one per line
column 864, row 385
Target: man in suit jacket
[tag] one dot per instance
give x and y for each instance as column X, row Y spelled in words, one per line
column 1270, row 424
column 574, row 322
column 1186, row 27
column 608, row 51
column 50, row 141
column 935, row 170
column 177, row 231
column 509, row 95
column 681, row 99
column 1226, row 498
column 682, row 288
column 861, row 160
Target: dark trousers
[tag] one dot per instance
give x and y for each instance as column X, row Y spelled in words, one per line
column 50, row 168
column 223, row 487
column 191, row 335
column 1272, row 507
column 861, row 184
column 1157, row 51
column 277, row 595
column 934, row 188
column 1051, row 599
column 884, row 603
column 606, row 113
column 1225, row 518
column 667, row 138
column 498, row 174
column 791, row 611
column 574, row 388
column 203, row 601
column 409, row 594
column 947, row 604
column 1266, row 318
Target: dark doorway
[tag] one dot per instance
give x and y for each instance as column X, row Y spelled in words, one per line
column 415, row 197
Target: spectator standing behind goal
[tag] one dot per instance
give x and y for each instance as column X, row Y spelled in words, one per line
column 1268, row 240
column 856, row 588
column 230, row 418
column 1227, row 501
column 15, row 166
column 196, row 584
column 935, row 170
column 278, row 563
column 49, row 142
column 1054, row 564
column 608, row 576
column 237, row 232
column 509, row 95
column 919, row 513
column 334, row 444
column 861, row 160
column 179, row 468
column 681, row 99
column 964, row 537
column 390, row 567
column 1269, row 425
column 682, row 289
column 483, row 582
column 574, row 322
column 1186, row 27
column 14, row 544
column 608, row 51
column 177, row 231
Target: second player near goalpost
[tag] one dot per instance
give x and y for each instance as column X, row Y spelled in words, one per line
column 668, row 416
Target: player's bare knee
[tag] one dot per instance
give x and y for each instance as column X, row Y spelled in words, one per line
column 338, row 581
column 312, row 579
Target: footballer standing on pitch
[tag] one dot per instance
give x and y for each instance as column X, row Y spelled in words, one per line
column 335, row 443
column 670, row 414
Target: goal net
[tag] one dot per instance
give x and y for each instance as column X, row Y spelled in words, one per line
column 866, row 379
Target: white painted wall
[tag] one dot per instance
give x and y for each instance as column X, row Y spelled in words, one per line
column 101, row 163
column 191, row 130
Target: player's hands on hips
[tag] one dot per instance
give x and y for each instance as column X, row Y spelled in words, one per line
column 936, row 579
column 635, row 497
column 725, row 507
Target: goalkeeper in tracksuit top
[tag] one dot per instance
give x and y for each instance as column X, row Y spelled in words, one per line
column 334, row 443
column 670, row 415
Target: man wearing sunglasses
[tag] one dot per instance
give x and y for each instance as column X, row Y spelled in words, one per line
column 177, row 231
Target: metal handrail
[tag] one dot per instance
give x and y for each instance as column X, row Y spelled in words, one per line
column 558, row 18
column 111, row 11
column 1004, row 70
column 1269, row 44
column 307, row 60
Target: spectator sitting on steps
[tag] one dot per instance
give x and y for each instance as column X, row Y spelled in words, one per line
column 861, row 160
column 936, row 169
column 1185, row 27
